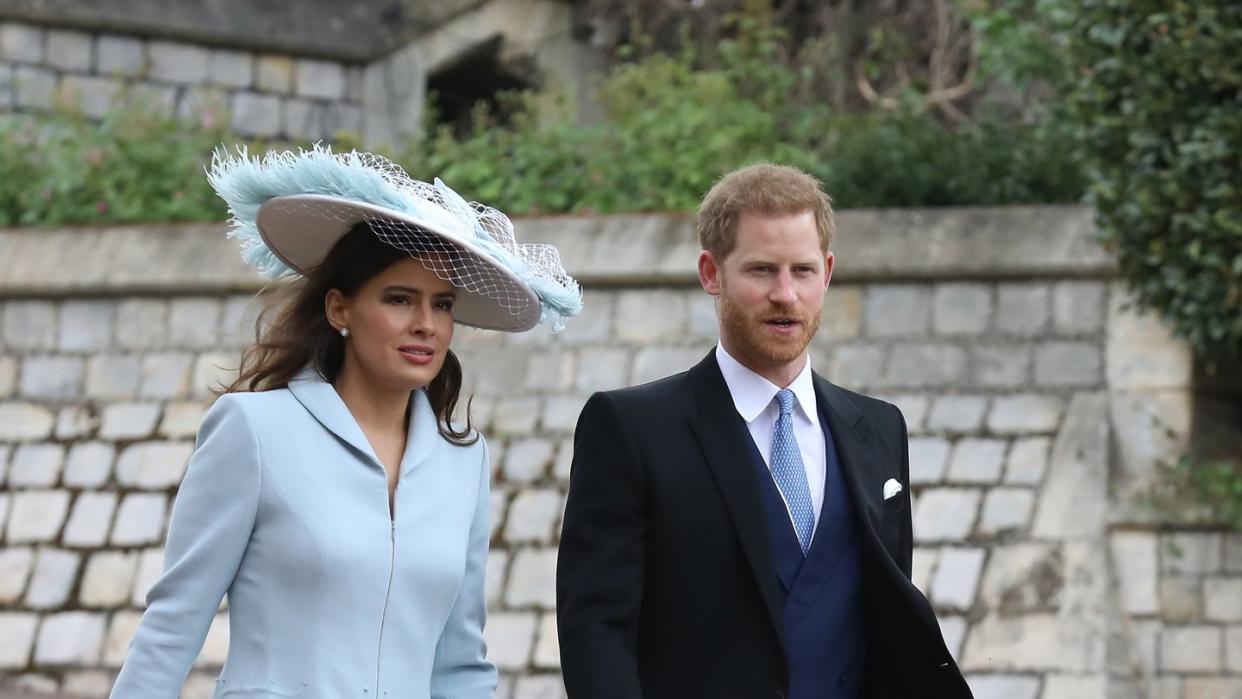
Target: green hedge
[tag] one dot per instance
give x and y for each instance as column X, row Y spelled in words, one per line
column 1159, row 102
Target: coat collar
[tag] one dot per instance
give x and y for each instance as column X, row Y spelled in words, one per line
column 324, row 404
column 722, row 437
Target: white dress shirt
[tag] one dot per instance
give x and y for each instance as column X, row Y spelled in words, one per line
column 755, row 400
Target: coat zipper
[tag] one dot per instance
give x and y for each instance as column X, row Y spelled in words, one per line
column 392, row 567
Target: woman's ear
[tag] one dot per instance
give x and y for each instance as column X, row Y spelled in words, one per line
column 336, row 310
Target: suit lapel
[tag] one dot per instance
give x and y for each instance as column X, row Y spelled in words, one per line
column 727, row 447
column 855, row 450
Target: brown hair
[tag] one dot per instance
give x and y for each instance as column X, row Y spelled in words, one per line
column 299, row 333
column 761, row 189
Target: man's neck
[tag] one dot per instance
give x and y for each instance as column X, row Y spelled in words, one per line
column 780, row 374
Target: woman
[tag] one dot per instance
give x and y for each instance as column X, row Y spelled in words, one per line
column 331, row 495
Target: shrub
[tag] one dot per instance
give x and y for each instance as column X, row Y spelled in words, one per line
column 1158, row 103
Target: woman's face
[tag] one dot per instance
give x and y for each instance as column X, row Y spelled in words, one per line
column 400, row 324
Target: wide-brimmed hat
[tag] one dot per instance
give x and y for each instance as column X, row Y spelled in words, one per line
column 289, row 208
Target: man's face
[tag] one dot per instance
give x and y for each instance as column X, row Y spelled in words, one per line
column 770, row 292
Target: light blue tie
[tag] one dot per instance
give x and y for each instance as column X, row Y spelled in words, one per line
column 789, row 473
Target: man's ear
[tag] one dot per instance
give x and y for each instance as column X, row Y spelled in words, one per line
column 709, row 273
column 830, row 262
column 336, row 310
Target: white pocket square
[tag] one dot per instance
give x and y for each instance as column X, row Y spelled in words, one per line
column 891, row 488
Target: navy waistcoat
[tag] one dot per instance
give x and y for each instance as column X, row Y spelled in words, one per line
column 822, row 610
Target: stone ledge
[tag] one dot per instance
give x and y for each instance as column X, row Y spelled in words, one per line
column 627, row 249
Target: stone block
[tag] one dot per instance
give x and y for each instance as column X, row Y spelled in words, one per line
column 977, row 460
column 120, row 55
column 89, row 464
column 86, row 326
column 194, row 323
column 1191, row 553
column 216, row 645
column 652, row 363
column 8, row 376
column 593, row 326
column 953, row 630
column 929, row 458
column 113, row 376
column 203, row 107
column 897, row 310
column 89, row 683
column 913, row 407
column 539, row 687
column 238, row 316
column 496, row 370
column 120, row 632
column 602, row 370
column 921, row 365
column 141, row 324
column 560, row 413
column 320, row 79
column 1022, row 309
column 510, row 638
column 1003, row 686
column 564, row 460
column 957, row 413
column 547, row 647
column 75, row 422
column 140, row 519
column 1025, row 413
column 17, row 632
column 1074, row 501
column 1151, row 428
column 922, row 565
column 1027, row 461
column 69, row 50
column 55, row 572
column 858, row 366
column 213, row 371
column 36, row 465
column 1233, row 552
column 842, row 314
column 1022, row 578
column 35, row 88
column 30, row 325
column 108, row 579
column 957, row 577
column 494, row 580
column 25, row 421
column 1211, row 688
column 1142, row 353
column 651, row 317
column 90, row 520
column 255, row 114
column 181, row 420
column 1000, row 366
column 1180, row 599
column 231, row 68
column 36, row 515
column 532, row 579
column 150, row 567
column 703, row 324
column 1078, row 307
column 274, row 74
column 153, row 98
column 527, row 460
column 70, row 638
column 945, row 514
column 128, row 421
column 961, row 309
column 1032, row 643
column 1005, row 510
column 1222, row 599
column 1069, row 364
column 22, row 43
column 304, row 119
column 533, row 516
column 166, row 376
column 1233, row 649
column 52, row 378
column 1136, row 560
column 176, row 62
column 15, row 566
column 1075, row 687
column 1191, row 649
column 553, row 372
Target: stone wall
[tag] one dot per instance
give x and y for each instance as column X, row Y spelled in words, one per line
column 1035, row 400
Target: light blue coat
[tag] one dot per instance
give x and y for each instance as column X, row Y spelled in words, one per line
column 284, row 506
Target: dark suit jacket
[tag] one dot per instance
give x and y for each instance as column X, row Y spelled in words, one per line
column 665, row 583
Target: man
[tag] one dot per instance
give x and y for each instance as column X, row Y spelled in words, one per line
column 743, row 529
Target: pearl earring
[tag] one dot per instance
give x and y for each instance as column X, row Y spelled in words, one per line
column 344, row 332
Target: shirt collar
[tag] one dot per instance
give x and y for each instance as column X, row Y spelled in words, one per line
column 752, row 393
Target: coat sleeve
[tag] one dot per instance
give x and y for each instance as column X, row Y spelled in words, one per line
column 461, row 669
column 600, row 568
column 210, row 528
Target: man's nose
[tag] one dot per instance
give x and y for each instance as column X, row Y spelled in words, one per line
column 783, row 290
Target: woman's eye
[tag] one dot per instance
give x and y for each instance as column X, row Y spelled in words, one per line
column 398, row 299
column 445, row 305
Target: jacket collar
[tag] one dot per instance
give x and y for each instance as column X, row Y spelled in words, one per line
column 324, row 404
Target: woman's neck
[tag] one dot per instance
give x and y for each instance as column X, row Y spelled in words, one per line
column 375, row 407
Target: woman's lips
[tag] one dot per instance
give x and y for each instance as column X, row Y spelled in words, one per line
column 417, row 354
